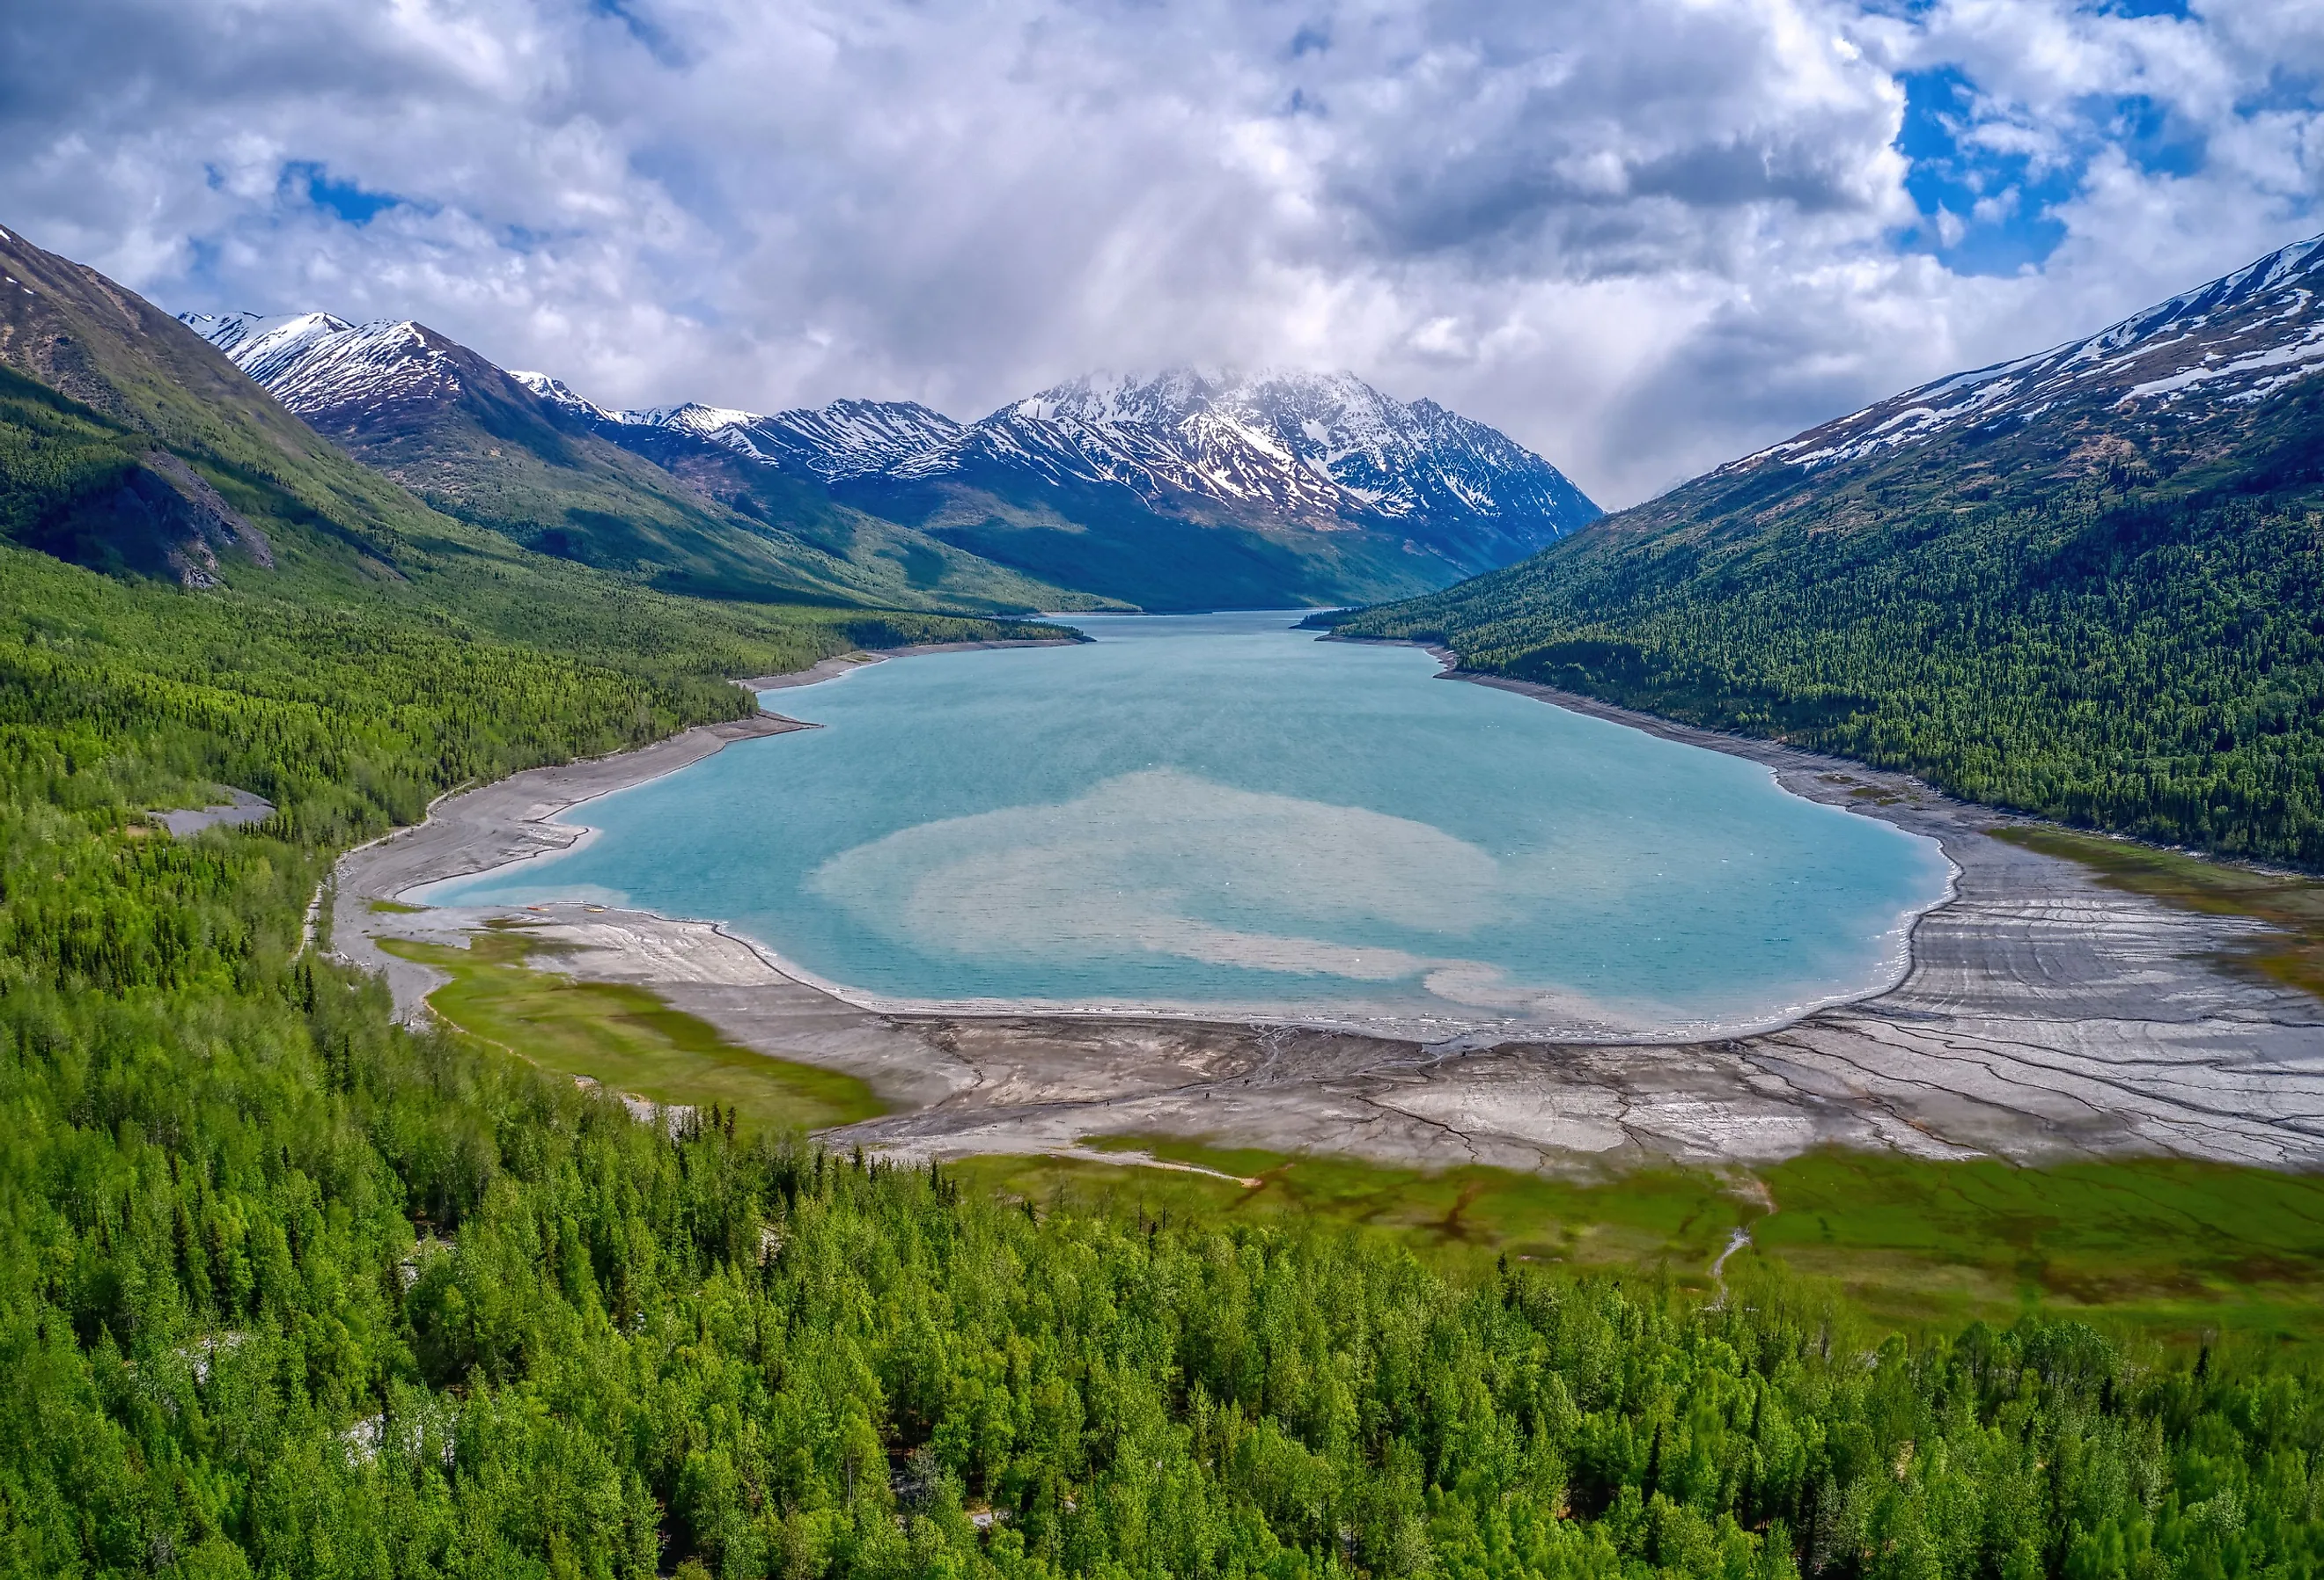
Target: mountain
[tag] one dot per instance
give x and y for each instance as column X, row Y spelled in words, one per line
column 1180, row 490
column 847, row 438
column 534, row 463
column 1326, row 448
column 2210, row 351
column 772, row 471
column 130, row 445
column 2087, row 582
column 1194, row 488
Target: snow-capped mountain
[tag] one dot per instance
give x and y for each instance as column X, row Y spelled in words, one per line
column 847, row 438
column 2228, row 343
column 1319, row 450
column 315, row 363
column 1325, row 449
column 1202, row 487
column 650, row 494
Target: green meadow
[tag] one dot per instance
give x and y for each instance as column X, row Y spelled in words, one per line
column 2182, row 1252
column 624, row 1038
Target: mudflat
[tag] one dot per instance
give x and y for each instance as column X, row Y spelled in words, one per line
column 2045, row 1015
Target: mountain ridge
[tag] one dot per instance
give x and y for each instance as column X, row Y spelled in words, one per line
column 1181, row 489
column 1092, row 482
column 2084, row 583
column 1105, row 427
column 528, row 458
column 2149, row 360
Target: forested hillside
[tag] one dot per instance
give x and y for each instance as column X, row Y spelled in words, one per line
column 287, row 1289
column 2089, row 585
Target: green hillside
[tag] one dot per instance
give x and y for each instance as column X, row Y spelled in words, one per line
column 2111, row 621
column 130, row 444
column 885, row 560
column 1108, row 541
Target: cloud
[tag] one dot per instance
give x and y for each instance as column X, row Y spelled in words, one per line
column 1642, row 239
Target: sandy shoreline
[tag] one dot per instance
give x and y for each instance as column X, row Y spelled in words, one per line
column 2039, row 1015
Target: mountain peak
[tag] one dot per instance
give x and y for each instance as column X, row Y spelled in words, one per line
column 1323, row 447
column 318, row 362
column 560, row 394
column 694, row 417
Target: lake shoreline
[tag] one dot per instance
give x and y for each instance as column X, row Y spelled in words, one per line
column 511, row 820
column 2036, row 1015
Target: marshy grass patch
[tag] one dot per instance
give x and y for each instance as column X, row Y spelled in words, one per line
column 2177, row 1251
column 624, row 1038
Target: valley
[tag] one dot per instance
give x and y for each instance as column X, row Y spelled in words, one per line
column 367, row 1196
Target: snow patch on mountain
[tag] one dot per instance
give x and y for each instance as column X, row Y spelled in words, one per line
column 1325, row 447
column 315, row 363
column 853, row 439
column 2235, row 340
column 846, row 439
column 560, row 394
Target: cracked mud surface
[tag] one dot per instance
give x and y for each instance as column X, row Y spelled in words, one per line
column 2044, row 1016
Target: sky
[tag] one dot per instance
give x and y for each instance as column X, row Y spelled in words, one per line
column 1642, row 237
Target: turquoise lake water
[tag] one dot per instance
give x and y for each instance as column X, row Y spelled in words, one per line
column 1221, row 815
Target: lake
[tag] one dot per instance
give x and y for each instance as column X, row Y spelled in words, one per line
column 1221, row 816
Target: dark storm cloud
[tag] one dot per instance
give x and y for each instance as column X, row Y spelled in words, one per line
column 1643, row 238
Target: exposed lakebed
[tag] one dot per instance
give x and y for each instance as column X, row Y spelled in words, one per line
column 1221, row 816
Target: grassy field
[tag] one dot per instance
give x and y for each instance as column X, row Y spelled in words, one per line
column 2292, row 903
column 2177, row 1251
column 625, row 1038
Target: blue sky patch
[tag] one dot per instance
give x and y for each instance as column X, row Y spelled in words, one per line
column 346, row 199
column 2157, row 141
column 657, row 42
column 1985, row 205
